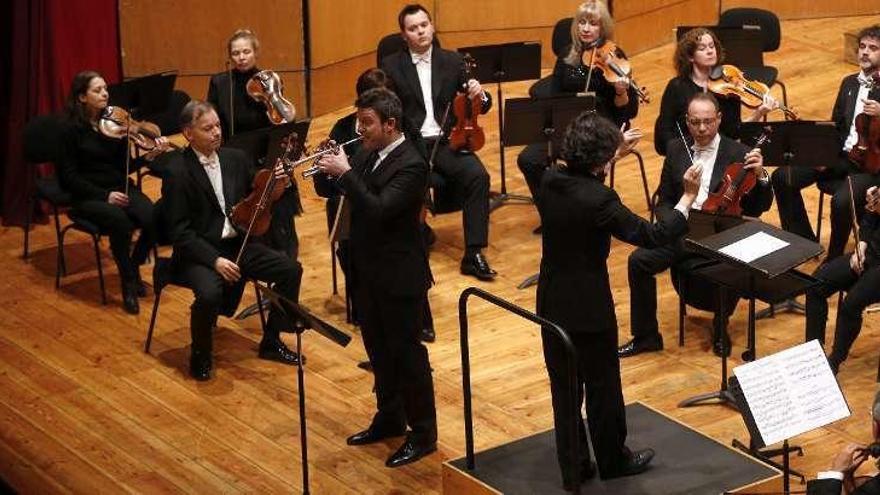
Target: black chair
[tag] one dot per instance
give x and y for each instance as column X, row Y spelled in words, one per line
column 771, row 32
column 394, row 42
column 560, row 40
column 43, row 142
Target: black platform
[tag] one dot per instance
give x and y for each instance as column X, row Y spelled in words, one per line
column 687, row 462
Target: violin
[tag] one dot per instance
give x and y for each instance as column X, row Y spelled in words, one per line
column 467, row 133
column 728, row 80
column 737, row 182
column 116, row 122
column 266, row 87
column 253, row 214
column 866, row 152
column 614, row 66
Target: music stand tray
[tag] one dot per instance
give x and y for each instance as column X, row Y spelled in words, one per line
column 144, row 97
column 507, row 62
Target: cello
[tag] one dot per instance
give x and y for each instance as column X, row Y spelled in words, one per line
column 467, row 133
column 866, row 152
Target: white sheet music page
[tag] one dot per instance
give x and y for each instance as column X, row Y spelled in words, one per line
column 792, row 392
column 755, row 246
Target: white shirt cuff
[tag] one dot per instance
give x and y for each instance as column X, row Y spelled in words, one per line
column 830, row 475
column 683, row 209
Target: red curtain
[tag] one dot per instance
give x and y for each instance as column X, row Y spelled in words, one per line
column 48, row 42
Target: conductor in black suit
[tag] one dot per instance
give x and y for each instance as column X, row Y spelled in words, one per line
column 202, row 184
column 580, row 214
column 385, row 186
column 714, row 152
column 427, row 79
column 839, row 480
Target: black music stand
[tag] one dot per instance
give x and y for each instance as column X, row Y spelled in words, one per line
column 532, row 120
column 795, row 143
column 144, row 97
column 771, row 278
column 296, row 313
column 508, row 62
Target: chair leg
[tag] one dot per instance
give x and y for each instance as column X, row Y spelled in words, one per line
column 644, row 180
column 819, row 216
column 260, row 306
column 27, row 225
column 149, row 341
column 96, row 240
column 59, row 238
column 682, row 308
column 333, row 267
column 59, row 265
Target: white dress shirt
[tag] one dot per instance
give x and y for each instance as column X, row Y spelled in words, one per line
column 212, row 168
column 853, row 136
column 705, row 156
column 384, row 152
column 430, row 127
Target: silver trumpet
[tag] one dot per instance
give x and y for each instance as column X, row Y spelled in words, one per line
column 328, row 147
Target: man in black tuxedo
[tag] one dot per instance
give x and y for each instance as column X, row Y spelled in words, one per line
column 390, row 274
column 580, row 214
column 714, row 152
column 839, row 479
column 202, row 183
column 427, row 78
column 853, row 97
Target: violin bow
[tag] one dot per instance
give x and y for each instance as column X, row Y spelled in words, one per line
column 231, row 100
column 855, row 221
column 592, row 59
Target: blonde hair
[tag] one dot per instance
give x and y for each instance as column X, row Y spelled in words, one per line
column 243, row 34
column 591, row 10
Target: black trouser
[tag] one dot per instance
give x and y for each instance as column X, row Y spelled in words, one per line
column 467, row 181
column 119, row 223
column 212, row 292
column 532, row 161
column 598, row 372
column 861, row 291
column 787, row 185
column 643, row 266
column 281, row 235
column 404, row 387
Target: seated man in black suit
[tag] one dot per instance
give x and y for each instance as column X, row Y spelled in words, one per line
column 385, row 185
column 714, row 152
column 202, row 183
column 426, row 79
column 839, row 480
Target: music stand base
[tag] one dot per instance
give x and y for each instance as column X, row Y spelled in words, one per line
column 529, row 281
column 787, row 306
column 499, row 199
column 721, row 397
column 766, row 454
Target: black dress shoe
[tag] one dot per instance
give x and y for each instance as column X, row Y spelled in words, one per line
column 427, row 335
column 410, row 451
column 636, row 463
column 638, row 346
column 478, row 266
column 277, row 351
column 588, row 472
column 374, row 434
column 200, row 366
column 130, row 298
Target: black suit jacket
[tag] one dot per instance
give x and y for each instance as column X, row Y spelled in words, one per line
column 833, row 487
column 193, row 215
column 756, row 202
column 388, row 254
column 579, row 214
column 845, row 105
column 447, row 78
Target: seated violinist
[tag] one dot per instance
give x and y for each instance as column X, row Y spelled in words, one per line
column 858, row 274
column 697, row 55
column 592, row 28
column 714, row 152
column 854, row 97
column 203, row 182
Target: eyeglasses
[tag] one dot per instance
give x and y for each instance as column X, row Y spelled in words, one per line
column 706, row 122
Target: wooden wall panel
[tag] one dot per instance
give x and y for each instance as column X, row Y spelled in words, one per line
column 333, row 85
column 637, row 31
column 801, row 9
column 365, row 23
column 485, row 15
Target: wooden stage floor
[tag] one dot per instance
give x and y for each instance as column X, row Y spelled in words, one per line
column 84, row 410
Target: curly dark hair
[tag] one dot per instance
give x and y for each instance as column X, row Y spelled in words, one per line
column 869, row 32
column 590, row 142
column 385, row 103
column 374, row 78
column 687, row 46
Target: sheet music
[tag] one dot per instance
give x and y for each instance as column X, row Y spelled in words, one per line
column 792, row 392
column 755, row 246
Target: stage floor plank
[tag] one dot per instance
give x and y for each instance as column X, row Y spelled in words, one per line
column 84, row 410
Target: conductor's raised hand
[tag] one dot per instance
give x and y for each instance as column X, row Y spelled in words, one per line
column 692, row 178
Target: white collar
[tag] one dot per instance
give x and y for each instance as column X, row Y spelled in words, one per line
column 207, row 161
column 384, row 152
column 712, row 146
column 422, row 57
